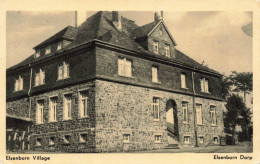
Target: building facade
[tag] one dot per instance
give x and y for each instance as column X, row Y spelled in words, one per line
column 110, row 85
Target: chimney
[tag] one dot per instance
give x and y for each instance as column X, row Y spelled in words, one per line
column 158, row 16
column 76, row 19
column 116, row 19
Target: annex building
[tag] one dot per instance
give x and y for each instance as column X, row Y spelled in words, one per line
column 111, row 85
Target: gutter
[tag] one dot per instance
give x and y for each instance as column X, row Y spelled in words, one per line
column 29, row 92
column 194, row 110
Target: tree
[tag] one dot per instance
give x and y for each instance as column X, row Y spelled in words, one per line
column 236, row 114
column 243, row 82
column 226, row 87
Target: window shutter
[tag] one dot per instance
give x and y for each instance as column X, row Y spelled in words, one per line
column 128, row 68
column 60, row 72
column 37, row 78
column 206, row 85
column 42, row 77
column 120, row 66
column 21, row 84
column 154, row 74
column 201, row 85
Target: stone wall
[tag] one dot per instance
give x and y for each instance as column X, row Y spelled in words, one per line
column 72, row 127
column 18, row 107
column 124, row 109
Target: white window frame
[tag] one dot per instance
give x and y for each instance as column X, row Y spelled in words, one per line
column 204, row 85
column 155, row 74
column 183, row 80
column 157, row 138
column 83, row 109
column 124, row 67
column 186, row 139
column 156, row 106
column 53, row 109
column 167, row 50
column 59, row 45
column 126, row 138
column 156, row 47
column 199, row 114
column 185, row 111
column 48, row 50
column 37, row 53
column 39, row 111
column 18, row 85
column 41, row 78
column 213, row 118
column 67, row 111
column 63, row 70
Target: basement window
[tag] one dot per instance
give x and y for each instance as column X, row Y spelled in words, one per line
column 186, row 140
column 38, row 142
column 201, row 139
column 66, row 139
column 215, row 140
column 51, row 140
column 157, row 138
column 126, row 138
column 82, row 137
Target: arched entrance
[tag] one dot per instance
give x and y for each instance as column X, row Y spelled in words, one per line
column 172, row 122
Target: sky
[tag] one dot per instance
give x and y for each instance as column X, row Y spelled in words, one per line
column 222, row 40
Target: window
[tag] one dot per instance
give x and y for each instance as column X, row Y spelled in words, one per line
column 126, row 138
column 63, row 70
column 38, row 142
column 66, row 139
column 215, row 140
column 199, row 113
column 39, row 78
column 37, row 54
column 154, row 74
column 39, row 111
column 51, row 140
column 204, row 85
column 156, row 47
column 201, row 139
column 82, row 137
column 124, row 67
column 185, row 112
column 186, row 140
column 83, row 104
column 157, row 138
column 212, row 112
column 59, row 46
column 183, row 80
column 67, row 107
column 53, row 109
column 167, row 50
column 48, row 50
column 18, row 86
column 155, row 108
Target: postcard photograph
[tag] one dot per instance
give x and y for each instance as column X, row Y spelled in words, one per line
column 129, row 82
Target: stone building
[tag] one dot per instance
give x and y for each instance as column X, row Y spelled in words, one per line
column 111, row 85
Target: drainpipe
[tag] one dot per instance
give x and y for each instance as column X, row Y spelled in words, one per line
column 194, row 110
column 29, row 93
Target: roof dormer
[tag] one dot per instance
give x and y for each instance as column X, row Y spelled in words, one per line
column 155, row 37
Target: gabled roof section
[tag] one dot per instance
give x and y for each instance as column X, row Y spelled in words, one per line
column 68, row 33
column 147, row 30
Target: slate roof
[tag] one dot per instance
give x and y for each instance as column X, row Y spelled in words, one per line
column 100, row 27
column 68, row 32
